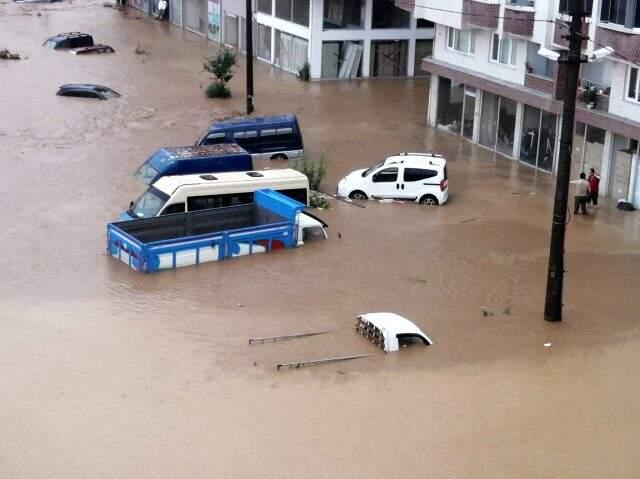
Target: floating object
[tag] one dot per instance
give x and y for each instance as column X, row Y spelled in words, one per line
column 388, row 329
column 274, row 339
column 547, row 345
column 316, row 362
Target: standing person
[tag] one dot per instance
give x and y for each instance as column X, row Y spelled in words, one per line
column 581, row 194
column 594, row 185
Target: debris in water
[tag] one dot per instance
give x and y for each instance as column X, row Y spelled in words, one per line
column 547, row 345
column 507, row 309
column 339, row 235
column 273, row 339
column 5, row 54
column 240, row 305
column 486, row 312
column 341, row 372
column 467, row 220
column 315, row 362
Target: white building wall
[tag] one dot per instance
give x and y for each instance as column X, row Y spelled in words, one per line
column 435, row 13
column 618, row 105
column 480, row 61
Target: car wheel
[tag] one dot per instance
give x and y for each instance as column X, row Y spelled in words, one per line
column 357, row 195
column 429, row 200
column 279, row 156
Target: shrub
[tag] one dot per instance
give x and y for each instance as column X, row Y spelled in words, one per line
column 314, row 171
column 217, row 90
column 318, row 201
column 305, row 72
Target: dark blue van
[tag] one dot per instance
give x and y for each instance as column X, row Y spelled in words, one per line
column 187, row 160
column 265, row 137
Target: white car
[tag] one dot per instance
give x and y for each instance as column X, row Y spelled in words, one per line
column 419, row 177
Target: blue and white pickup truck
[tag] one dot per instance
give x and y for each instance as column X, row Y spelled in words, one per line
column 273, row 221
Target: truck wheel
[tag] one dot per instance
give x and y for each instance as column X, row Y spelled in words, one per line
column 429, row 200
column 279, row 156
column 358, row 195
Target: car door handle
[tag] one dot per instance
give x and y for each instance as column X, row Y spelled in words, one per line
column 402, row 187
column 397, row 186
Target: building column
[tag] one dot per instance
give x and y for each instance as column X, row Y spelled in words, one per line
column 315, row 38
column 517, row 134
column 632, row 180
column 366, row 52
column 475, row 136
column 411, row 56
column 432, row 107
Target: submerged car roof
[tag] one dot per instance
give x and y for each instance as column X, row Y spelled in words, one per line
column 189, row 152
column 251, row 121
column 64, row 36
column 418, row 159
column 168, row 184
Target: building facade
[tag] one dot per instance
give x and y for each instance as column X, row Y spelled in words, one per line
column 490, row 85
column 337, row 38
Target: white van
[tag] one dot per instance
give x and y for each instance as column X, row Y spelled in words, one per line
column 419, row 177
column 179, row 194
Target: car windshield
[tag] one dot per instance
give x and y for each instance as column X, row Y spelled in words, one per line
column 107, row 92
column 146, row 174
column 149, row 203
column 368, row 171
column 49, row 44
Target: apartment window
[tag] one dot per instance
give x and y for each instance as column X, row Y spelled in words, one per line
column 296, row 11
column 632, row 84
column 621, row 12
column 503, row 50
column 522, row 3
column 343, row 14
column 563, row 6
column 422, row 23
column 461, row 40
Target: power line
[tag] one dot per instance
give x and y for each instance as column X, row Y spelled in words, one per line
column 482, row 15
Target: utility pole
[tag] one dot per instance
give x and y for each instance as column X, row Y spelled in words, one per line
column 249, row 37
column 569, row 70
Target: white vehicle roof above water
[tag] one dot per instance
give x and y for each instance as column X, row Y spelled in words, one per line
column 417, row 159
column 169, row 184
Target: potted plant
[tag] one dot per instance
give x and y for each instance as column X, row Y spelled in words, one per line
column 589, row 96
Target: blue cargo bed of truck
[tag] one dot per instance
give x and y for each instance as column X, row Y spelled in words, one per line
column 183, row 239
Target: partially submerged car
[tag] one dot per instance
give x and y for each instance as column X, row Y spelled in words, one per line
column 98, row 48
column 87, row 91
column 390, row 330
column 69, row 40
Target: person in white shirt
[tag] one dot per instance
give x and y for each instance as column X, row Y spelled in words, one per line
column 581, row 194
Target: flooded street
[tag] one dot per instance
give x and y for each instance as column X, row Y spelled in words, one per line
column 106, row 372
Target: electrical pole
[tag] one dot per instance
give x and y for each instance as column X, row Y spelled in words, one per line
column 569, row 70
column 249, row 37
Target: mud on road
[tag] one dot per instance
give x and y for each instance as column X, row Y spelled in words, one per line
column 106, row 372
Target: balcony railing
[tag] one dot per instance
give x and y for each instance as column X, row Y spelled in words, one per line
column 601, row 88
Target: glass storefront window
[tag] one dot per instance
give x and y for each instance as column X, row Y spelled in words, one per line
column 489, row 120
column 387, row 15
column 530, row 135
column 342, row 59
column 593, row 148
column 291, row 52
column 546, row 147
column 450, row 99
column 389, row 58
column 506, row 126
column 577, row 149
column 264, row 6
column 343, row 14
column 231, row 30
column 424, row 48
column 296, row 11
column 468, row 120
column 620, row 173
column 262, row 41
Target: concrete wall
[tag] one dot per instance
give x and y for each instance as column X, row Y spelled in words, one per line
column 618, row 105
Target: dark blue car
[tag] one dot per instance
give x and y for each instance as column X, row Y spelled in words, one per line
column 265, row 137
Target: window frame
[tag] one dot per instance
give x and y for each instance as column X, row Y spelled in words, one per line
column 378, row 174
column 501, row 42
column 454, row 38
column 627, row 84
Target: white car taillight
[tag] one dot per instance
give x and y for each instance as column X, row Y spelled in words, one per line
column 443, row 184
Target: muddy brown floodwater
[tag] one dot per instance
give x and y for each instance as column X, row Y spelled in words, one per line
column 105, row 372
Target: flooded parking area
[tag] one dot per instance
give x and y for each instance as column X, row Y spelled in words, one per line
column 105, row 372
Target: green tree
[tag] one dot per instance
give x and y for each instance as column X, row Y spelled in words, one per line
column 221, row 67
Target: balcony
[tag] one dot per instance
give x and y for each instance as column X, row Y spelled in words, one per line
column 481, row 14
column 539, row 83
column 627, row 44
column 518, row 19
column 593, row 95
